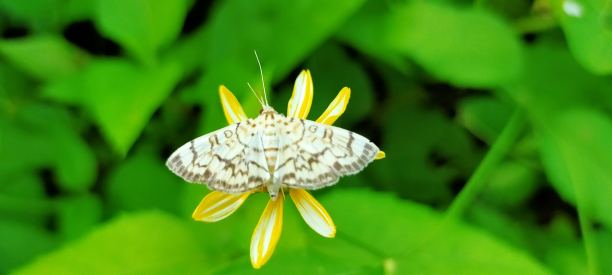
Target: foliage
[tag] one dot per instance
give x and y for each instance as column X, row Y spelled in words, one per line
column 495, row 117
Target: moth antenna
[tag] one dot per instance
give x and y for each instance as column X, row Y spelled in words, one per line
column 258, row 98
column 262, row 77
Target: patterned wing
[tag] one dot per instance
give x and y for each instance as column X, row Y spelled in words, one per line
column 230, row 160
column 314, row 155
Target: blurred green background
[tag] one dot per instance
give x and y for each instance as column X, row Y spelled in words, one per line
column 95, row 95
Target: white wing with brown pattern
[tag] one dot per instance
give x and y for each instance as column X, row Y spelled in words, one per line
column 314, row 155
column 230, row 159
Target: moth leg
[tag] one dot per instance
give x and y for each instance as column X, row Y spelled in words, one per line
column 274, row 188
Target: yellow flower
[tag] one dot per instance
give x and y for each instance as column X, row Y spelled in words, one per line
column 218, row 205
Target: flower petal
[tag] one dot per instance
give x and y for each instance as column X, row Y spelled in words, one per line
column 301, row 99
column 231, row 107
column 218, row 205
column 336, row 107
column 313, row 213
column 267, row 232
column 380, row 155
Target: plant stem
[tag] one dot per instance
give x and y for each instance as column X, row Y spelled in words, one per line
column 589, row 242
column 498, row 151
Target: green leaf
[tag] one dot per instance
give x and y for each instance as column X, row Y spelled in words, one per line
column 485, row 117
column 47, row 133
column 141, row 26
column 45, row 57
column 46, row 15
column 309, row 261
column 364, row 31
column 510, row 184
column 20, row 243
column 575, row 150
column 119, row 95
column 78, row 215
column 416, row 240
column 146, row 243
column 553, row 81
column 414, row 243
column 586, row 24
column 143, row 182
column 22, row 199
column 467, row 47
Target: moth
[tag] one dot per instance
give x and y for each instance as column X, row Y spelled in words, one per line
column 272, row 152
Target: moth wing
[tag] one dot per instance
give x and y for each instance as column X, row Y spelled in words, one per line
column 230, row 159
column 314, row 155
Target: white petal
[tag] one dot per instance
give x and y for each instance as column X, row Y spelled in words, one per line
column 301, row 99
column 313, row 213
column 267, row 232
column 217, row 206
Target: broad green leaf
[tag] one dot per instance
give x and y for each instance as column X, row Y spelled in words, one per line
column 77, row 215
column 504, row 225
column 119, row 95
column 466, row 47
column 45, row 57
column 586, row 24
column 365, row 31
column 511, row 184
column 568, row 258
column 143, row 182
column 575, row 150
column 22, row 199
column 145, row 243
column 416, row 240
column 14, row 85
column 485, row 117
column 553, row 81
column 313, row 261
column 47, row 133
column 141, row 26
column 19, row 243
column 46, row 15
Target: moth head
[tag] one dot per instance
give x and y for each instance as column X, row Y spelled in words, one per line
column 267, row 109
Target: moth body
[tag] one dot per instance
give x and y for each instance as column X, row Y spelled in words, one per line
column 268, row 121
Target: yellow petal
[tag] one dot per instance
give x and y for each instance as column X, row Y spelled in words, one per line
column 336, row 107
column 231, row 107
column 301, row 99
column 267, row 232
column 380, row 155
column 217, row 206
column 313, row 213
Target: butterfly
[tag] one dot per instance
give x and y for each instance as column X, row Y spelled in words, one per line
column 271, row 152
